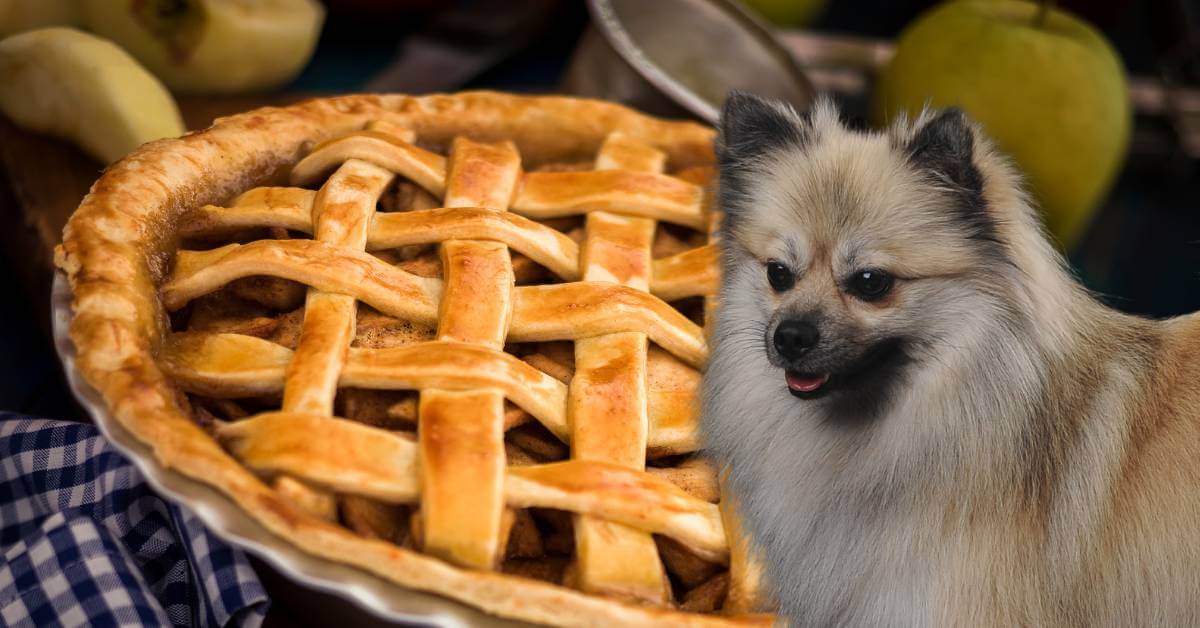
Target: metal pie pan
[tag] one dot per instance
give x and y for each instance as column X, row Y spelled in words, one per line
column 385, row 599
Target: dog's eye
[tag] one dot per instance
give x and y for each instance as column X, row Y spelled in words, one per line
column 780, row 276
column 869, row 285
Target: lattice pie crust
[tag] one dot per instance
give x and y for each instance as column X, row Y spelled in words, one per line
column 452, row 340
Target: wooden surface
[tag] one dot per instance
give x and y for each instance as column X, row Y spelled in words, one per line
column 42, row 181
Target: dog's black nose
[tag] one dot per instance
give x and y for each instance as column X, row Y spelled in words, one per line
column 793, row 338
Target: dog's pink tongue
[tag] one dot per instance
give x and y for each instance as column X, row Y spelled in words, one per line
column 805, row 383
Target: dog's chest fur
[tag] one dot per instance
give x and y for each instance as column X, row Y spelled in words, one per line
column 855, row 536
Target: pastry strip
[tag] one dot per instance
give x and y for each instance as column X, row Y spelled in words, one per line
column 461, row 434
column 317, row 264
column 540, row 243
column 385, row 150
column 645, row 194
column 691, row 273
column 342, row 213
column 233, row 365
column 540, row 313
column 355, row 459
column 688, row 274
column 608, row 399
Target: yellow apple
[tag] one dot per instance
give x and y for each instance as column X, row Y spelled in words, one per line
column 212, row 45
column 82, row 88
column 1046, row 86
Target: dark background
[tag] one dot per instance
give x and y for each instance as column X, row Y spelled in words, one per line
column 1141, row 254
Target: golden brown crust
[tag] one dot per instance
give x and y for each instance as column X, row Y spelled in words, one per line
column 116, row 253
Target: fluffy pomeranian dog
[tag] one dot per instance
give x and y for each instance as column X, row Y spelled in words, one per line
column 927, row 420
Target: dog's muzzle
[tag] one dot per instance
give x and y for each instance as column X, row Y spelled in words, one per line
column 793, row 339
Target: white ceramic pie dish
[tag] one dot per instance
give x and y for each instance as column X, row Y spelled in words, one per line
column 385, row 599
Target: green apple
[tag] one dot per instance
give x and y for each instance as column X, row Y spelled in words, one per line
column 787, row 12
column 1046, row 86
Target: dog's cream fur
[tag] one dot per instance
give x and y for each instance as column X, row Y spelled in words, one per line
column 1037, row 461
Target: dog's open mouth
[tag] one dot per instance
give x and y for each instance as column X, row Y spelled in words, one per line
column 875, row 366
column 806, row 385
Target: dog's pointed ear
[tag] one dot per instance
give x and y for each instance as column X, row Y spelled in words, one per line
column 749, row 128
column 945, row 146
column 751, row 125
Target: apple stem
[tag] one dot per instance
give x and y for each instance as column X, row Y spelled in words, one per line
column 1043, row 10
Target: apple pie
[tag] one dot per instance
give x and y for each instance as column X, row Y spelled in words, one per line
column 453, row 340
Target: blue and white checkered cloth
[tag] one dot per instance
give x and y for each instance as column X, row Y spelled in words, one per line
column 84, row 541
